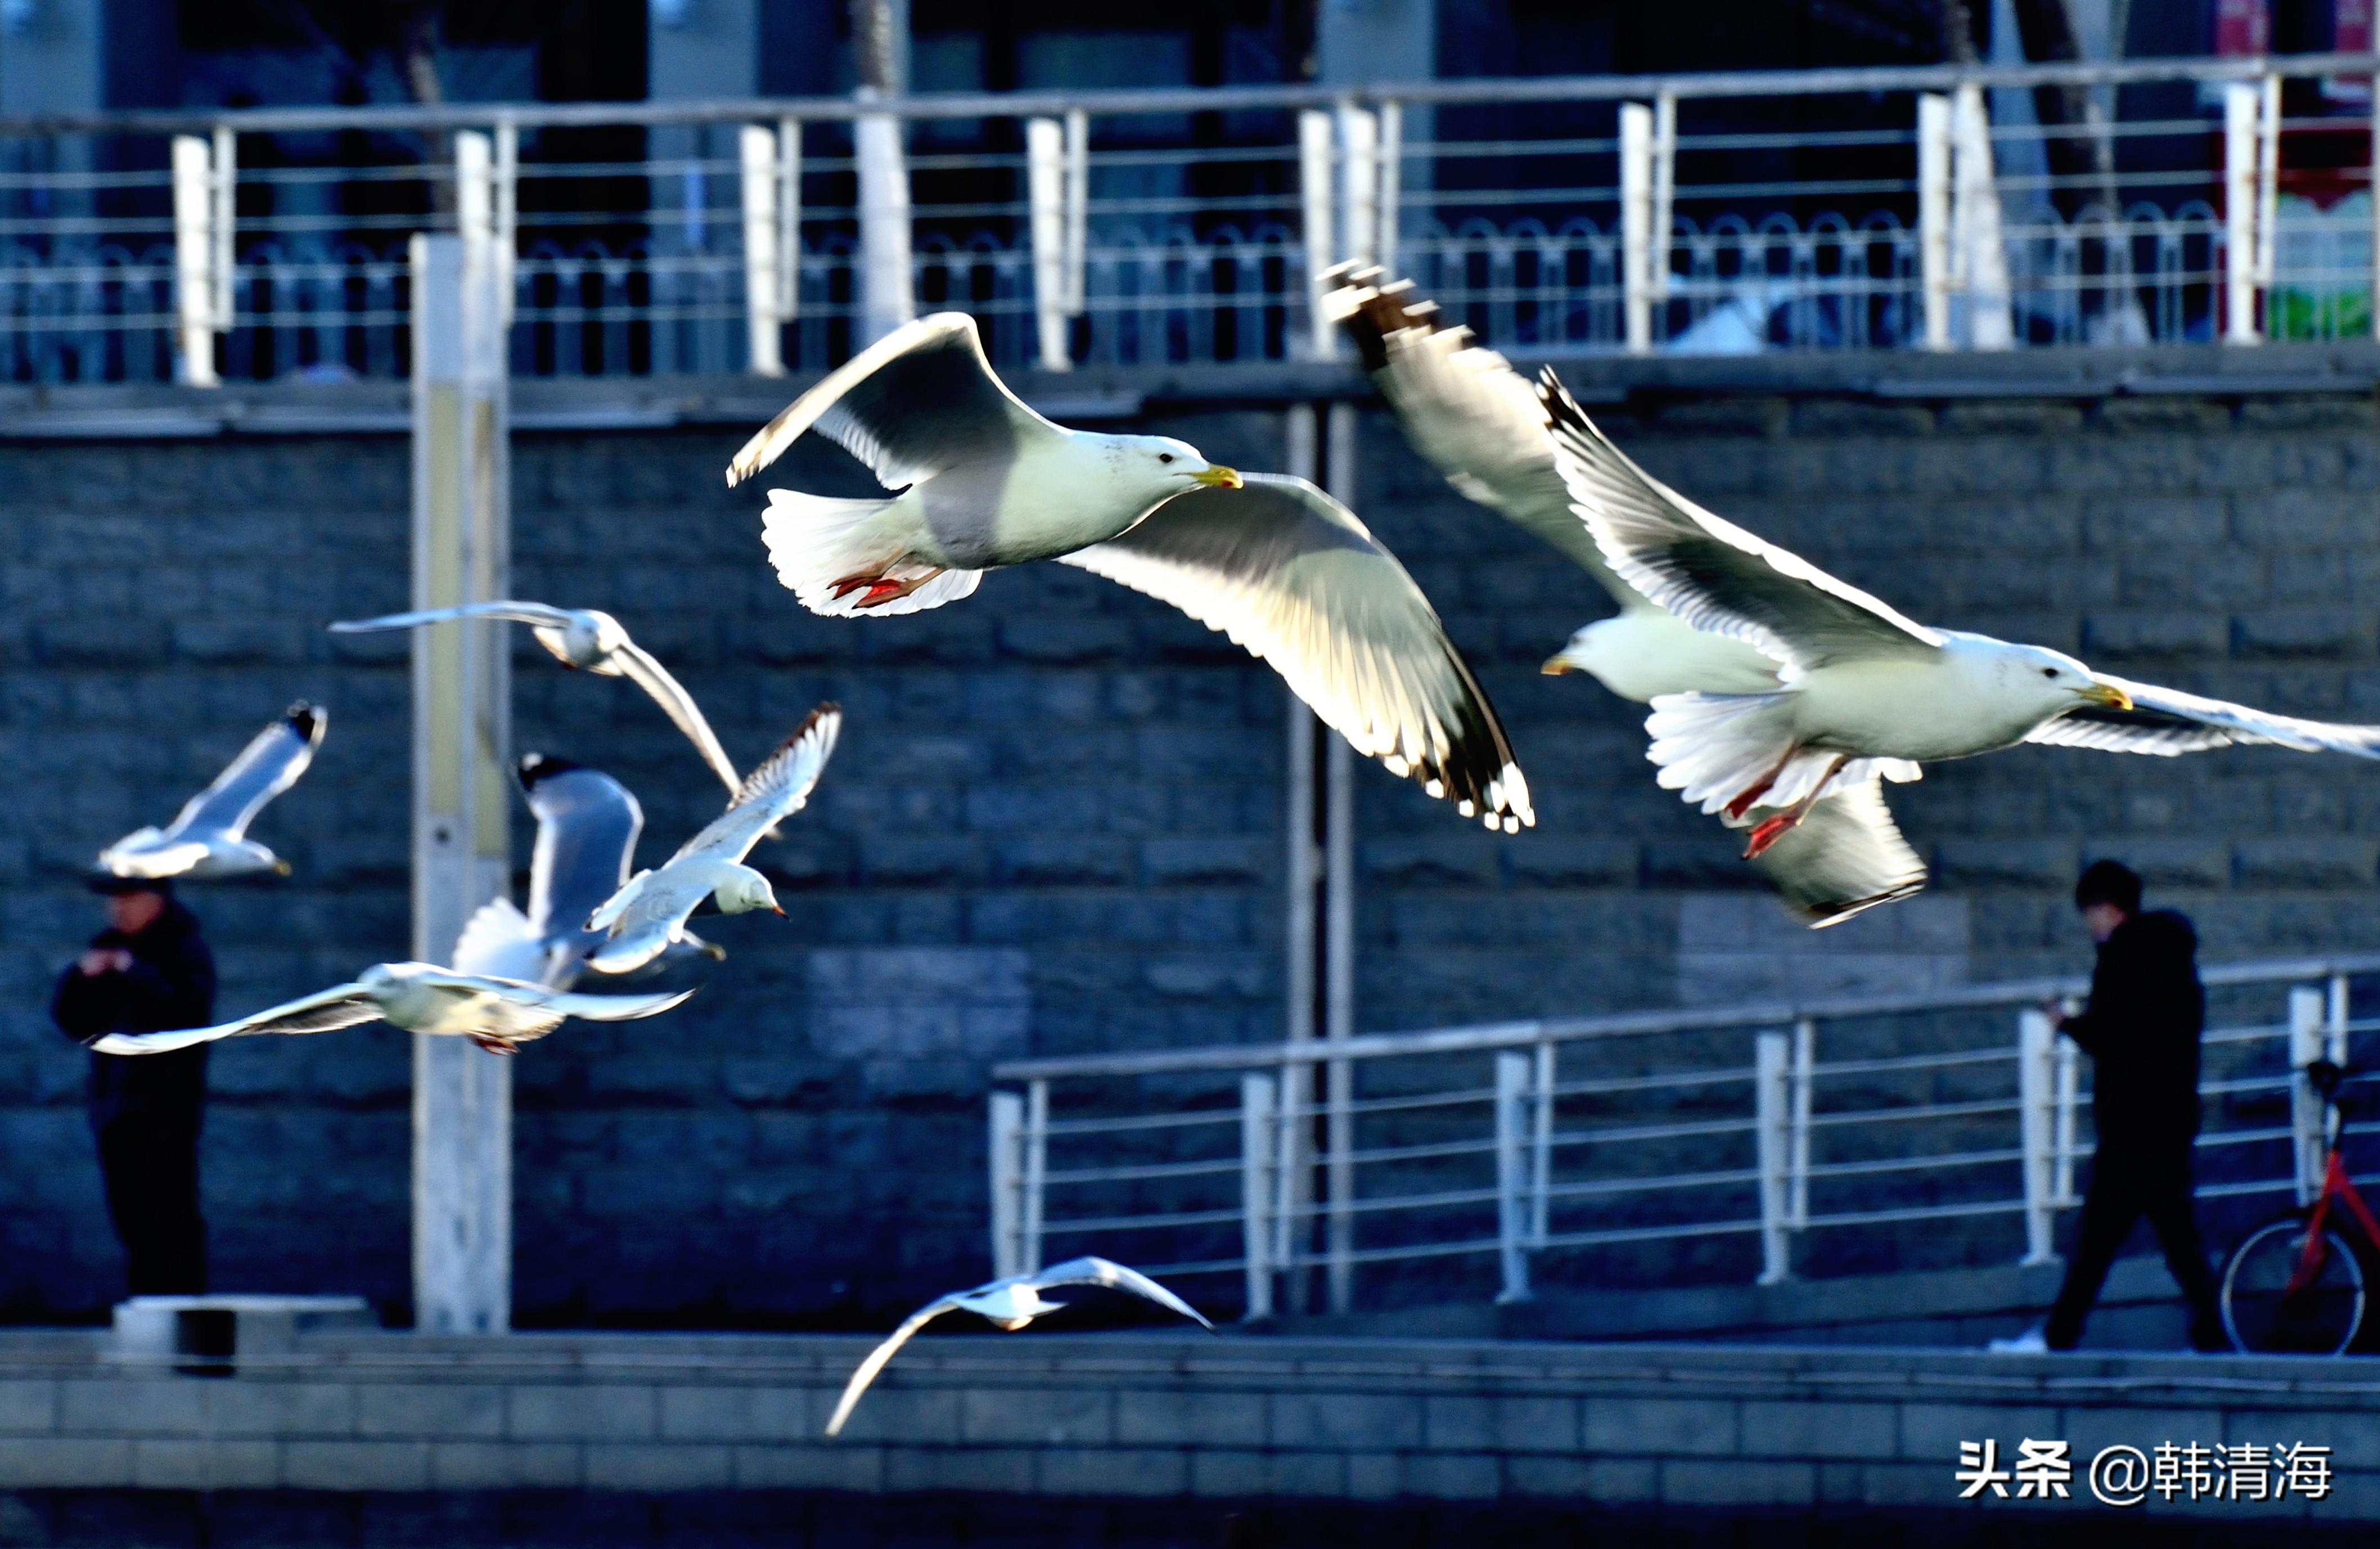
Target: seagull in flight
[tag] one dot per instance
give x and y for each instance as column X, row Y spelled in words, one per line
column 209, row 837
column 1274, row 563
column 497, row 1014
column 587, row 638
column 1010, row 1303
column 648, row 913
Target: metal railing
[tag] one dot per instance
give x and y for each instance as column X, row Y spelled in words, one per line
column 1671, row 1129
column 1916, row 208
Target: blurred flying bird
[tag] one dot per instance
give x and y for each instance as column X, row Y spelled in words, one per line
column 209, row 837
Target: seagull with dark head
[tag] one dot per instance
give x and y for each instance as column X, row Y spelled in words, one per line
column 209, row 837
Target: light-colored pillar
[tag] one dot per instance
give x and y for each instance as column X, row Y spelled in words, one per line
column 1338, row 926
column 462, row 709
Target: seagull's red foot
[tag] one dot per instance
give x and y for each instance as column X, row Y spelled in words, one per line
column 493, row 1046
column 1768, row 832
column 1750, row 796
column 880, row 590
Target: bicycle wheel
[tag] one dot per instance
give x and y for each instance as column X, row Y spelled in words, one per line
column 2264, row 1317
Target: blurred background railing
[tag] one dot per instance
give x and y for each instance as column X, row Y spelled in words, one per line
column 1646, row 1148
column 2152, row 202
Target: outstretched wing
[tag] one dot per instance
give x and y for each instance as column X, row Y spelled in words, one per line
column 1845, row 856
column 649, row 674
column 586, row 830
column 919, row 400
column 1289, row 574
column 2166, row 722
column 343, row 1006
column 1094, row 1271
column 499, row 939
column 866, row 1371
column 269, row 764
column 1467, row 411
column 538, row 613
column 775, row 790
column 1709, row 571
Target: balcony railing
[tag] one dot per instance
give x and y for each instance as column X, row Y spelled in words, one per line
column 1920, row 208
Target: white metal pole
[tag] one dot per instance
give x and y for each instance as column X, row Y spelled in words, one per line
column 789, row 220
column 1338, row 929
column 1665, row 192
column 2070, row 1088
column 475, row 201
column 1078, row 196
column 2307, row 1044
column 1392, row 184
column 1512, row 1211
column 888, row 290
column 1772, row 1107
column 225, row 194
column 1359, row 183
column 462, row 1095
column 1045, row 189
column 1933, row 260
column 507, row 212
column 756, row 147
column 1805, row 1074
column 1541, row 1147
column 1976, row 216
column 194, row 287
column 2334, row 1031
column 1302, row 943
column 1258, row 1132
column 2268, row 184
column 1314, row 206
column 2036, row 1087
column 1035, row 1170
column 1636, row 223
column 1007, row 1179
column 2242, row 100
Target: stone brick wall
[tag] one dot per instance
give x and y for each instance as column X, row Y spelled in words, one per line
column 1054, row 822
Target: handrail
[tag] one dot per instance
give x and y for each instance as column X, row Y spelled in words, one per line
column 1513, row 1034
column 978, row 104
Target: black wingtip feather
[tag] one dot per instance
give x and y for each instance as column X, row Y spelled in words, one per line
column 536, row 767
column 305, row 719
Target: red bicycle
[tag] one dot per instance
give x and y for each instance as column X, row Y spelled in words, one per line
column 2296, row 1285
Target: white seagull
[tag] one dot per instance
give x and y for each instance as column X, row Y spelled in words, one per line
column 1865, row 690
column 646, row 915
column 586, row 828
column 209, row 837
column 1273, row 563
column 1011, row 1303
column 497, row 1014
column 588, row 639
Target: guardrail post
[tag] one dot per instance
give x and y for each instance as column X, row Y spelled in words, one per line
column 1054, row 173
column 763, row 293
column 888, row 287
column 1359, row 183
column 1513, row 1202
column 1802, row 1076
column 1934, row 215
column 1541, row 1147
column 506, row 187
column 1259, row 1133
column 1391, row 185
column 1034, row 1173
column 2251, row 201
column 2069, row 1085
column 2308, row 1043
column 1293, row 1178
column 1636, row 224
column 1007, row 1179
column 2037, row 1128
column 194, row 258
column 1772, row 1126
column 1979, row 257
column 1314, row 190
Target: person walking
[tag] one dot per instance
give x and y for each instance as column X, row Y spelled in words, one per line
column 148, row 972
column 2141, row 1029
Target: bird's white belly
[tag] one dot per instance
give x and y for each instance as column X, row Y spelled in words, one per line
column 1643, row 652
column 1915, row 709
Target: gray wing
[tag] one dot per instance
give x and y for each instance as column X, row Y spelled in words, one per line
column 1845, row 856
column 525, row 1005
column 1467, row 412
column 1092, row 1271
column 866, row 1371
column 1709, row 571
column 1289, row 574
column 2166, row 722
column 775, row 790
column 586, row 828
column 343, row 1006
column 649, row 674
column 917, row 401
column 538, row 613
column 269, row 764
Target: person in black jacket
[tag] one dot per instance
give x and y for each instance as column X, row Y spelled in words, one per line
column 148, row 972
column 2142, row 1030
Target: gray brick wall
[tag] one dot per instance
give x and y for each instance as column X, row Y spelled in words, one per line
column 1054, row 824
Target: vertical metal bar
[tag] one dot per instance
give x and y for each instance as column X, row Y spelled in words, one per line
column 1772, row 1057
column 475, row 207
column 1804, row 1072
column 2038, row 1134
column 1392, row 182
column 1359, row 183
column 2242, row 100
column 1314, row 192
column 1541, row 1147
column 1258, row 1128
column 1007, row 1180
column 888, row 289
column 1301, row 914
column 2335, row 1021
column 1078, row 199
column 2307, row 1044
column 194, row 288
column 2069, row 1060
column 1934, row 250
column 1975, row 219
column 1292, row 1189
column 789, row 219
column 1636, row 223
column 226, row 192
column 2268, row 181
column 1511, row 1174
column 1665, row 191
column 507, row 216
column 462, row 1097
column 756, row 148
column 1339, row 927
column 1045, row 198
column 1037, row 1174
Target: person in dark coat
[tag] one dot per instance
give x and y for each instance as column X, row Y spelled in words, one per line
column 2141, row 1029
column 148, row 972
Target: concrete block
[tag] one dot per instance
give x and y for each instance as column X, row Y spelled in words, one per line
column 1775, row 1428
column 355, row 1465
column 28, row 1404
column 1743, row 1482
column 1342, row 1420
column 1188, row 1418
column 1373, row 1476
column 1445, row 1476
column 1000, row 1470
column 1605, row 1481
column 436, row 1410
column 504, row 1465
column 2300, row 634
column 737, row 1414
column 589, row 1411
column 1639, row 1427
column 2126, row 635
column 132, row 1405
column 1931, row 1432
column 205, row 1465
column 892, row 1413
column 1078, row 1470
column 67, row 1463
column 658, row 1467
column 838, row 1465
column 1062, row 1416
column 1231, row 1473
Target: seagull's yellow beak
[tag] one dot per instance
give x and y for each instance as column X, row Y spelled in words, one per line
column 1220, row 478
column 2106, row 693
column 1556, row 666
